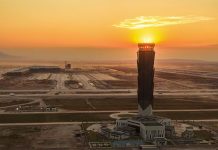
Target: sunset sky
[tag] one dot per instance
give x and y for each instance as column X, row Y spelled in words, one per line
column 108, row 29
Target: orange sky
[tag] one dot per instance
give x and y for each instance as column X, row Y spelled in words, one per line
column 32, row 28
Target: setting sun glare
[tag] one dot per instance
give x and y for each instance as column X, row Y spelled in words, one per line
column 146, row 38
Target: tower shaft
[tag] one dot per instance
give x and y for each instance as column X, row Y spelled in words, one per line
column 146, row 56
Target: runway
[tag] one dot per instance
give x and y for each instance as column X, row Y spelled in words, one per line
column 113, row 111
column 102, row 93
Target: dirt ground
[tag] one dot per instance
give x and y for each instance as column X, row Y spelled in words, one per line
column 23, row 84
column 41, row 137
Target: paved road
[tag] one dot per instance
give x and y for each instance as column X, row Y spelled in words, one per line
column 113, row 111
column 66, row 123
column 111, row 94
column 112, row 90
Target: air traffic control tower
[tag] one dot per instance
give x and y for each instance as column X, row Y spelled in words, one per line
column 145, row 62
column 148, row 126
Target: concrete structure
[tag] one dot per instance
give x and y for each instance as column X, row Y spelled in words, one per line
column 145, row 64
column 148, row 128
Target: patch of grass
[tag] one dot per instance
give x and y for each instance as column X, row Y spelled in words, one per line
column 160, row 102
column 54, row 117
column 125, row 103
column 188, row 115
column 184, row 102
column 206, row 82
column 14, row 102
column 94, row 136
column 203, row 134
column 85, row 117
column 121, row 84
column 114, row 103
column 69, row 104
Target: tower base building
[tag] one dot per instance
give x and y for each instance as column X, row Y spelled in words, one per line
column 149, row 127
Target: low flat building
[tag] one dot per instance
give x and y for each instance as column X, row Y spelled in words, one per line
column 148, row 128
column 33, row 69
column 18, row 72
column 40, row 69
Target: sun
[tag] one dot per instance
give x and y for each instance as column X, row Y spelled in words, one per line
column 147, row 36
column 145, row 39
column 148, row 39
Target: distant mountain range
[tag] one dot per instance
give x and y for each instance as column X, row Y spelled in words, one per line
column 4, row 56
column 185, row 61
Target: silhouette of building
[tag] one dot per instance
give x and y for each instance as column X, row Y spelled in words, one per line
column 67, row 65
column 33, row 69
column 145, row 62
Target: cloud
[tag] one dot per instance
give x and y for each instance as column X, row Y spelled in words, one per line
column 158, row 21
